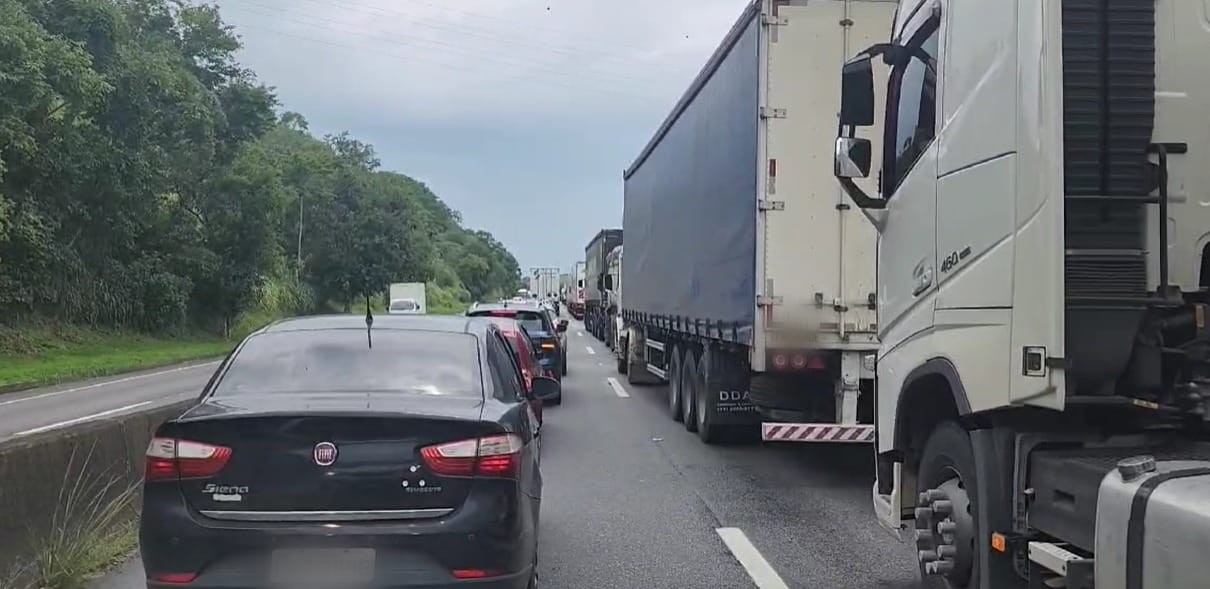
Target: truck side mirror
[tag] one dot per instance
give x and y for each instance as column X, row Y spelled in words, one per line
column 852, row 157
column 608, row 282
column 857, row 92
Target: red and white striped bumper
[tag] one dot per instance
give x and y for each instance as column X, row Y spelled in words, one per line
column 816, row 432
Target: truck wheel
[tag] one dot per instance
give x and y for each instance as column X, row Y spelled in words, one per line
column 622, row 354
column 707, row 428
column 946, row 510
column 676, row 376
column 690, row 390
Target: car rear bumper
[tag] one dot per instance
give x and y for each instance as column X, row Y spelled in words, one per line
column 489, row 532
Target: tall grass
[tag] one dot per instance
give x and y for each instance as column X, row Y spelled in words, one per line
column 91, row 528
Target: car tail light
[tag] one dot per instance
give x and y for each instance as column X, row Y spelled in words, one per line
column 475, row 573
column 174, row 578
column 491, row 456
column 169, row 458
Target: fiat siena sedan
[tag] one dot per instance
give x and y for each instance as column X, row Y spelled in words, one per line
column 325, row 453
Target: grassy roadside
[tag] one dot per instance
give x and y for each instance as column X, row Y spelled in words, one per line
column 42, row 354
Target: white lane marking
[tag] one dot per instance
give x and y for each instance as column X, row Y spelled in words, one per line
column 590, row 350
column 108, row 382
column 579, row 334
column 617, row 387
column 60, row 424
column 749, row 557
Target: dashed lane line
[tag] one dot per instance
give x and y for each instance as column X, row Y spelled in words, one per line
column 749, row 557
column 591, row 351
column 617, row 387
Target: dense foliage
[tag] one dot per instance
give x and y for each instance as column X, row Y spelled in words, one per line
column 147, row 181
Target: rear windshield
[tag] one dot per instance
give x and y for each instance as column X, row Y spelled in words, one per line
column 530, row 320
column 339, row 360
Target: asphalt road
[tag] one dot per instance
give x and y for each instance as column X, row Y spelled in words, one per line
column 37, row 410
column 632, row 500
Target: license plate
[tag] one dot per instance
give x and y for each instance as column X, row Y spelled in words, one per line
column 321, row 567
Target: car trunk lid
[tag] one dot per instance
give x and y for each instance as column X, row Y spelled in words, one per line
column 329, row 458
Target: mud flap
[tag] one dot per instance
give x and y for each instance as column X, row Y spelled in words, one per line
column 727, row 401
column 993, row 450
column 636, row 359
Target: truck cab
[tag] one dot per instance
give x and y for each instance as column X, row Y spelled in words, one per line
column 1043, row 220
column 613, row 294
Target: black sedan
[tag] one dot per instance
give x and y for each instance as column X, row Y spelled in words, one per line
column 325, row 453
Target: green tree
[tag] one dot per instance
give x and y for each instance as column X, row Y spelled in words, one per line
column 146, row 181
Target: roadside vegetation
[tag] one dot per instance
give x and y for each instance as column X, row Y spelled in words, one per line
column 92, row 529
column 156, row 201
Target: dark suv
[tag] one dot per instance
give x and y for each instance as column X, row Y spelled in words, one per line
column 544, row 332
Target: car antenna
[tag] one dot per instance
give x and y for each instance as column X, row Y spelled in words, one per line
column 369, row 323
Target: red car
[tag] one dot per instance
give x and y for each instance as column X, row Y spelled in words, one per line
column 523, row 352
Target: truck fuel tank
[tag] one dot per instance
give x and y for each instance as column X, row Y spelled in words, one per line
column 1153, row 525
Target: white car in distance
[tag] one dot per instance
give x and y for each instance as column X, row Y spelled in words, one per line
column 404, row 307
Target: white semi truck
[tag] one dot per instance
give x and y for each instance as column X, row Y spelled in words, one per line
column 544, row 281
column 575, row 298
column 1044, row 220
column 613, row 294
column 749, row 278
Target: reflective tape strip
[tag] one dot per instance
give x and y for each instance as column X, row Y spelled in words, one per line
column 816, row 432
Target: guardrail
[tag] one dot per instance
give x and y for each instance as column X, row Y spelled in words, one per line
column 54, row 486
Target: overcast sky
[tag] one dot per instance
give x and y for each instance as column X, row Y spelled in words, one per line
column 520, row 114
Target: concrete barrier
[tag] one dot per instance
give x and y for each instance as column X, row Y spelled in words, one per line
column 53, row 481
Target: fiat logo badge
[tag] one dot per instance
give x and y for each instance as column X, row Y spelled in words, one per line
column 324, row 453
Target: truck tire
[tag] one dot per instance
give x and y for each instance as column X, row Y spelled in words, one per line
column 690, row 389
column 676, row 375
column 622, row 356
column 709, row 366
column 947, row 482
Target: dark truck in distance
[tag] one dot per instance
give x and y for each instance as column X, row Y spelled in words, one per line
column 597, row 312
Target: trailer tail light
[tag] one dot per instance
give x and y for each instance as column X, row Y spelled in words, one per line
column 496, row 456
column 798, row 361
column 170, row 458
